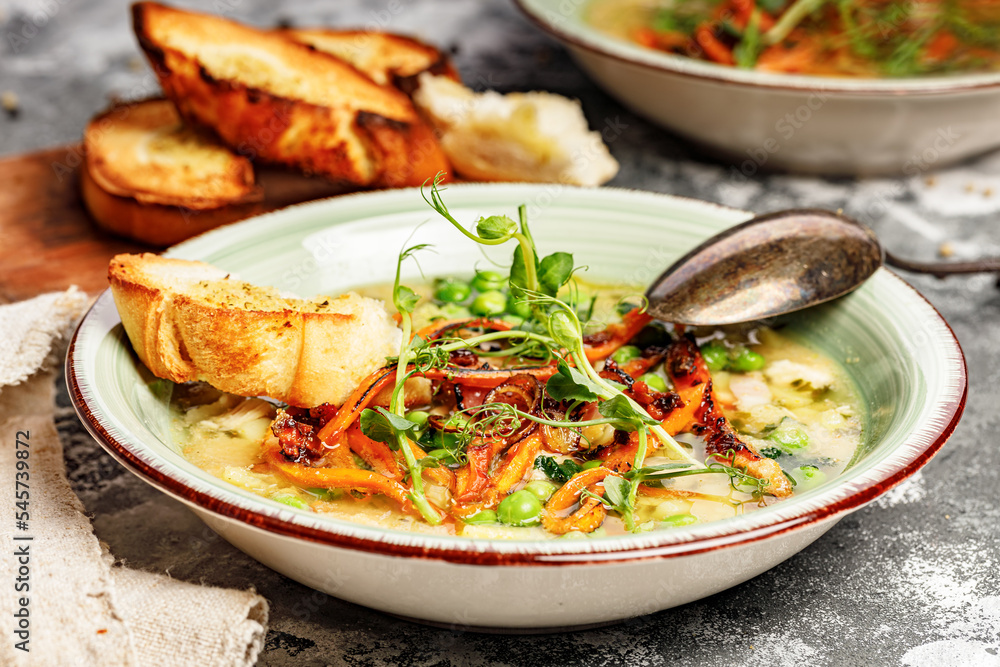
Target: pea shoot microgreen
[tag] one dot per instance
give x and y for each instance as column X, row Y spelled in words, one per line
column 555, row 330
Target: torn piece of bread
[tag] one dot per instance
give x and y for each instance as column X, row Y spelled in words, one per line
column 387, row 58
column 270, row 97
column 535, row 137
column 150, row 178
column 189, row 321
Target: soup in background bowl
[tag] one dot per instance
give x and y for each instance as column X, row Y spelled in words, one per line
column 759, row 120
column 853, row 39
column 904, row 364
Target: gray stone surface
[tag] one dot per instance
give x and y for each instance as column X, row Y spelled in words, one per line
column 911, row 580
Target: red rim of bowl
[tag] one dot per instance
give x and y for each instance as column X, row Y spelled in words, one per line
column 952, row 412
column 723, row 74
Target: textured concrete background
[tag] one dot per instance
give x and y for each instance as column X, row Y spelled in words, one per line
column 911, row 580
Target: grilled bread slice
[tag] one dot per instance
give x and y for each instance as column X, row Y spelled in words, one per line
column 189, row 321
column 270, row 97
column 387, row 58
column 151, row 178
column 536, row 137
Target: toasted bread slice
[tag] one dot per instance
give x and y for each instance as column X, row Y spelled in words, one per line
column 144, row 151
column 150, row 178
column 189, row 321
column 270, row 97
column 387, row 58
column 154, row 224
column 537, row 137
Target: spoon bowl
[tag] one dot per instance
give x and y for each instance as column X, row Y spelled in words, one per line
column 770, row 265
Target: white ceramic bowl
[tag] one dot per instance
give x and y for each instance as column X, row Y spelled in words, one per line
column 909, row 371
column 761, row 120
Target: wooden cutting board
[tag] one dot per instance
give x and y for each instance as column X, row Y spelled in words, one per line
column 48, row 241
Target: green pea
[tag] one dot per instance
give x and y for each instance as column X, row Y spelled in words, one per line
column 573, row 535
column 291, row 501
column 481, row 517
column 521, row 508
column 452, row 290
column 654, row 381
column 489, row 304
column 789, row 437
column 418, row 417
column 747, row 360
column 625, row 354
column 591, row 464
column 716, row 355
column 678, row 520
column 488, row 281
column 808, row 477
column 518, row 307
column 542, row 489
column 454, row 311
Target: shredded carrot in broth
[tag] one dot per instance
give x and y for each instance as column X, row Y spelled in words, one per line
column 537, row 401
column 860, row 38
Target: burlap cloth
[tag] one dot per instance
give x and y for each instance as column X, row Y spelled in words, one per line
column 82, row 607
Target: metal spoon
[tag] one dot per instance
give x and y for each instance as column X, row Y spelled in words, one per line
column 779, row 263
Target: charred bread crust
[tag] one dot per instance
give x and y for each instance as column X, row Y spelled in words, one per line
column 156, row 225
column 140, row 150
column 189, row 321
column 385, row 57
column 339, row 142
column 148, row 178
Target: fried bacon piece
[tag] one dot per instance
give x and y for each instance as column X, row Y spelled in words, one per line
column 297, row 436
column 693, row 382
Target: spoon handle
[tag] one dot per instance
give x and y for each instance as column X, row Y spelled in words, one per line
column 942, row 269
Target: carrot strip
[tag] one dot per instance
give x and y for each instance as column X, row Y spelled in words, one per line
column 743, row 9
column 941, row 46
column 356, row 402
column 713, row 48
column 690, row 375
column 777, row 58
column 645, row 37
column 339, row 455
column 376, row 454
column 680, row 419
column 517, row 461
column 472, row 478
column 637, row 367
column 439, row 475
column 671, row 494
column 616, row 335
column 621, row 457
column 588, row 516
column 340, row 478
